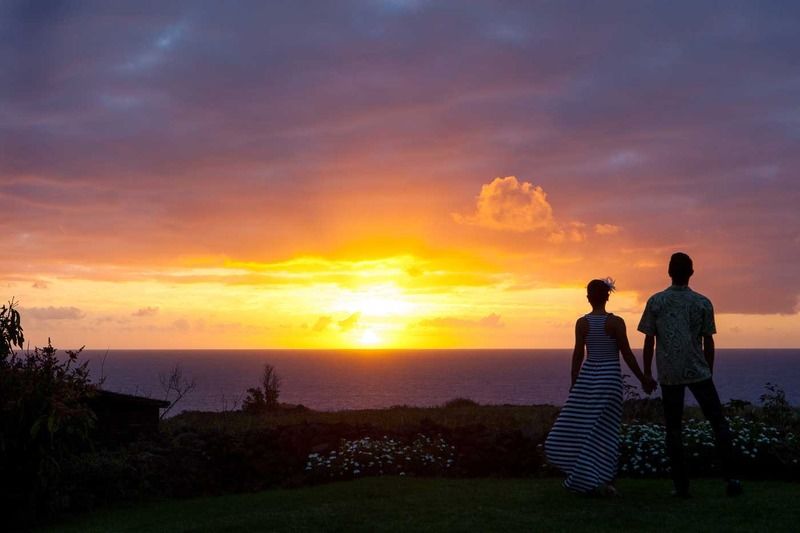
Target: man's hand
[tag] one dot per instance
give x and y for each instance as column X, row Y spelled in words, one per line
column 649, row 385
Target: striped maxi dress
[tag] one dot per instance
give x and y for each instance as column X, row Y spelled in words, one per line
column 584, row 441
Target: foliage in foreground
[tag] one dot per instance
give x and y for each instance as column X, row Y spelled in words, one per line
column 759, row 449
column 44, row 421
column 186, row 461
column 383, row 456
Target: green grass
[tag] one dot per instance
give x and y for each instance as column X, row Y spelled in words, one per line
column 411, row 505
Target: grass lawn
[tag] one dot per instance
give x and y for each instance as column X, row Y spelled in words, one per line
column 413, row 504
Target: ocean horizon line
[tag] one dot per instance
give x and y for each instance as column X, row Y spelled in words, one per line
column 326, row 379
column 366, row 349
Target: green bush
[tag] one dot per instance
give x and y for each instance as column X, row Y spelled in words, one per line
column 456, row 403
column 44, row 421
column 775, row 407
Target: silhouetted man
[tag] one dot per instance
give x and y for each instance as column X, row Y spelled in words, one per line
column 680, row 323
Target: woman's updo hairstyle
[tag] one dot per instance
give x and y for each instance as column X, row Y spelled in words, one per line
column 598, row 289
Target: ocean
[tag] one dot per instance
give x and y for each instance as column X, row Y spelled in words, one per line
column 342, row 379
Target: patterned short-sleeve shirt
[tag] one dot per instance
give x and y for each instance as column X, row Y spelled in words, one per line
column 678, row 317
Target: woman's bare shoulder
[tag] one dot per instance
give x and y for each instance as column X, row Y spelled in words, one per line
column 615, row 321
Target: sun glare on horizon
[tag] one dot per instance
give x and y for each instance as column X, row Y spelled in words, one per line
column 377, row 301
column 369, row 338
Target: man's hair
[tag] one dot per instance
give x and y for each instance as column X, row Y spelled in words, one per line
column 680, row 266
column 597, row 291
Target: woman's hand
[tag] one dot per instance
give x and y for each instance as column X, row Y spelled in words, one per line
column 649, row 384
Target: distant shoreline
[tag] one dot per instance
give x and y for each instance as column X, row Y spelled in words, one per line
column 332, row 380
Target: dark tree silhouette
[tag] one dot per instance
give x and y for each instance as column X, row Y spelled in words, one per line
column 265, row 398
column 175, row 387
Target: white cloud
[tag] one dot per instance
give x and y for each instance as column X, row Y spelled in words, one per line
column 606, row 229
column 508, row 204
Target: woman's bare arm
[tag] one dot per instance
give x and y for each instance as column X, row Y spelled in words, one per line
column 619, row 332
column 581, row 328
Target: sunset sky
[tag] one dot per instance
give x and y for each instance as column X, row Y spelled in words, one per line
column 394, row 173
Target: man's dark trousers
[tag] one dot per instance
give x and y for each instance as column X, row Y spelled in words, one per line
column 706, row 395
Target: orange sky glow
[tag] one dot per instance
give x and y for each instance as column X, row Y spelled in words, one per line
column 505, row 272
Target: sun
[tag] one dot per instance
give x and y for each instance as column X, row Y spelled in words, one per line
column 369, row 338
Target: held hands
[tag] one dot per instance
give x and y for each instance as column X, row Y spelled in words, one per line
column 649, row 385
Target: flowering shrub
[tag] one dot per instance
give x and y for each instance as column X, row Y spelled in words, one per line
column 775, row 408
column 642, row 450
column 755, row 444
column 384, row 456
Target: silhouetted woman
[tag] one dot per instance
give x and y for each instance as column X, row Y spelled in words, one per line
column 584, row 441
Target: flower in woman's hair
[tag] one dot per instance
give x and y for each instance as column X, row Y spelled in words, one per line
column 610, row 284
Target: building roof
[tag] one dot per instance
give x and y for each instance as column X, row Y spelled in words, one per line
column 118, row 397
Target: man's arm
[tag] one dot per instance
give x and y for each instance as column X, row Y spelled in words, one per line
column 647, row 325
column 709, row 328
column 708, row 351
column 647, row 354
